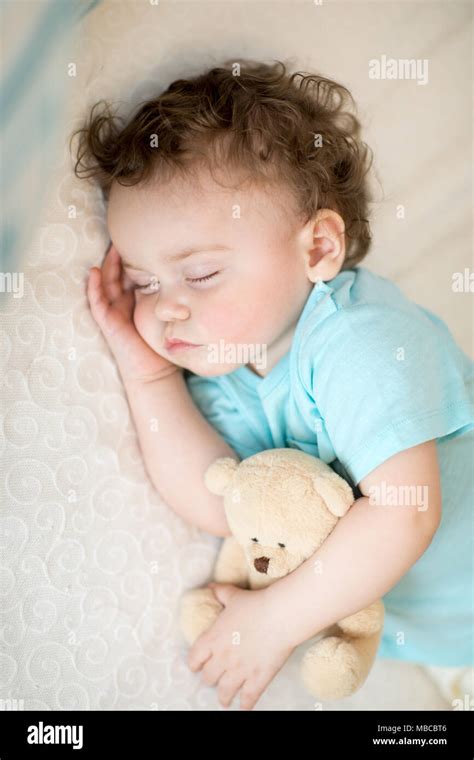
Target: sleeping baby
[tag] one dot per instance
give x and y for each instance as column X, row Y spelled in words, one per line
column 234, row 303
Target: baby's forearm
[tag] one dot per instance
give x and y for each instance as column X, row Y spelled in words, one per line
column 178, row 445
column 367, row 553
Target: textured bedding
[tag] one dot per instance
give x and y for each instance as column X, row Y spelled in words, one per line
column 93, row 562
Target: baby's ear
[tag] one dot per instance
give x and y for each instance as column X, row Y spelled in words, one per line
column 336, row 493
column 220, row 473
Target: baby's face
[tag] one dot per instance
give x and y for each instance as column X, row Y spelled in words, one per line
column 238, row 296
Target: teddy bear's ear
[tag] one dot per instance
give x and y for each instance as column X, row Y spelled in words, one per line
column 218, row 476
column 336, row 493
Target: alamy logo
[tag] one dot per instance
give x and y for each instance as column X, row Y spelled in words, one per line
column 399, row 68
column 12, row 704
column 12, row 282
column 389, row 495
column 42, row 734
column 237, row 353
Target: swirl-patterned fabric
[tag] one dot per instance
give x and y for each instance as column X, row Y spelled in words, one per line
column 92, row 561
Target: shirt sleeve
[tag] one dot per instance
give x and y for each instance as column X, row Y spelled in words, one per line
column 222, row 411
column 384, row 380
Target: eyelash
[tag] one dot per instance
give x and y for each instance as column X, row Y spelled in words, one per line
column 201, row 279
column 195, row 279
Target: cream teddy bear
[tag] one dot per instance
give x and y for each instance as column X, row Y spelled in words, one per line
column 281, row 505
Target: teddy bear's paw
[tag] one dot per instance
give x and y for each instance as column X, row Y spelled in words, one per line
column 197, row 612
column 332, row 668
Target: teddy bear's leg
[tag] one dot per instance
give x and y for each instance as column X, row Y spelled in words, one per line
column 364, row 623
column 231, row 564
column 343, row 662
column 198, row 610
column 337, row 666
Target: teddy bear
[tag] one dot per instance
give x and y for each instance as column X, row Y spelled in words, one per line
column 281, row 504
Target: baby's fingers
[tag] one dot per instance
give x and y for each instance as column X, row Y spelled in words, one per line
column 112, row 274
column 97, row 300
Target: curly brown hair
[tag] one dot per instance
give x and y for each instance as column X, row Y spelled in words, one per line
column 280, row 127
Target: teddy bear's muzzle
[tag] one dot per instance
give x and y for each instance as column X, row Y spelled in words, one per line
column 261, row 564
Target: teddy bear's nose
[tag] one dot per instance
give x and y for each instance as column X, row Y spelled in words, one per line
column 261, row 564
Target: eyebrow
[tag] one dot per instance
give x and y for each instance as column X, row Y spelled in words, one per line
column 183, row 254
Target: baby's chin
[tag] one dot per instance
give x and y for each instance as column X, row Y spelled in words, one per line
column 204, row 368
column 202, row 362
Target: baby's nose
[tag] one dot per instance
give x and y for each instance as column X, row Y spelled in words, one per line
column 168, row 312
column 261, row 564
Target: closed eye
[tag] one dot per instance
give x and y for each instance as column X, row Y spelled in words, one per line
column 150, row 287
column 202, row 279
column 153, row 286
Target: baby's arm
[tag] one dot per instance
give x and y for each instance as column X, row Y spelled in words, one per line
column 369, row 550
column 178, row 445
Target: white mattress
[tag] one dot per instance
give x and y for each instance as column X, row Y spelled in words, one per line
column 93, row 561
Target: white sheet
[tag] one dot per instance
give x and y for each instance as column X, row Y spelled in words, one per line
column 93, row 562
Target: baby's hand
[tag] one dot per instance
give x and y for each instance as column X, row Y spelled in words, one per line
column 250, row 660
column 112, row 302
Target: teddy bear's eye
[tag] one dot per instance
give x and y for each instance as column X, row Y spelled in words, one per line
column 282, row 545
column 255, row 539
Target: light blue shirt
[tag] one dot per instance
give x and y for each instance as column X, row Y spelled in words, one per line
column 369, row 374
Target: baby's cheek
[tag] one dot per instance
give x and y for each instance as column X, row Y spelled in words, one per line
column 145, row 323
column 232, row 321
column 220, row 323
column 138, row 320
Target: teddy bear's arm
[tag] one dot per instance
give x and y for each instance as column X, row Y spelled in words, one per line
column 231, row 565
